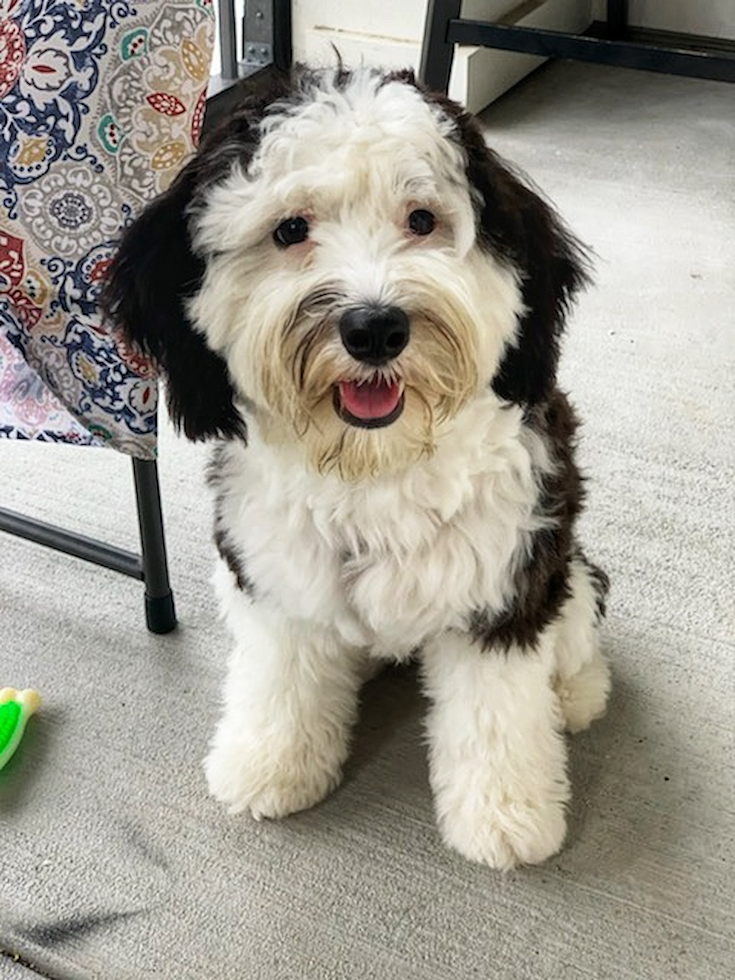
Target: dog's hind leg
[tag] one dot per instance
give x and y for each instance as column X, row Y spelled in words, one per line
column 583, row 676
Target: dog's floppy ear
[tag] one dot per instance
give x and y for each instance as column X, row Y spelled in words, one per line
column 155, row 271
column 524, row 231
column 152, row 274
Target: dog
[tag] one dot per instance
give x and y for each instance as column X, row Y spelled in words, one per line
column 363, row 305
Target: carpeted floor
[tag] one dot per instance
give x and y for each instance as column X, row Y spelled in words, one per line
column 116, row 865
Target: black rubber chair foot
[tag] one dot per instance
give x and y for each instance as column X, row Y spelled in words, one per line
column 160, row 613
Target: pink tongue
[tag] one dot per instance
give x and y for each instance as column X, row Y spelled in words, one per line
column 371, row 400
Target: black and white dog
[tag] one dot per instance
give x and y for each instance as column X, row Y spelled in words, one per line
column 364, row 305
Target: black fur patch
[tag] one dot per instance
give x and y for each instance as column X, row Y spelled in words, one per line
column 542, row 583
column 600, row 583
column 524, row 231
column 227, row 550
column 152, row 275
column 234, row 562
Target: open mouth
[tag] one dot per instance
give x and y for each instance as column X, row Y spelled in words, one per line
column 369, row 404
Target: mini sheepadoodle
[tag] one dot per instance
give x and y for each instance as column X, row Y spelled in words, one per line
column 363, row 304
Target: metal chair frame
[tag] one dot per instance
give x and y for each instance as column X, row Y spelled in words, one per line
column 150, row 566
column 612, row 42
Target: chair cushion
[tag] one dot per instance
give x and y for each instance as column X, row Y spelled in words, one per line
column 101, row 103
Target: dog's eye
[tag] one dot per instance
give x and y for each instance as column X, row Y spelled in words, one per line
column 291, row 232
column 421, row 222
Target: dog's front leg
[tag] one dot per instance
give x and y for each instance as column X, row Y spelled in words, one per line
column 290, row 701
column 497, row 758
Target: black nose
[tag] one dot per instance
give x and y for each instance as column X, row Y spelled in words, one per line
column 374, row 335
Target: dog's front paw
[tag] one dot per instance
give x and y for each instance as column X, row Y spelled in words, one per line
column 502, row 832
column 268, row 781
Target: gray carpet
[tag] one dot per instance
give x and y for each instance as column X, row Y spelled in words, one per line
column 116, row 865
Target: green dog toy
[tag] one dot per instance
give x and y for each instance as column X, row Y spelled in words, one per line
column 16, row 707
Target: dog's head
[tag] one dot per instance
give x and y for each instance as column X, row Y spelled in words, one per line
column 350, row 266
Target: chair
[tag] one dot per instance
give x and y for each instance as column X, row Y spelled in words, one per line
column 100, row 104
column 612, row 42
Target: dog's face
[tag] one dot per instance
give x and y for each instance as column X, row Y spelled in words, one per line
column 350, row 266
column 344, row 284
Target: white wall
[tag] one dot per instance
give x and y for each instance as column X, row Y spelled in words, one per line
column 388, row 33
column 374, row 31
column 393, row 27
column 401, row 19
column 714, row 18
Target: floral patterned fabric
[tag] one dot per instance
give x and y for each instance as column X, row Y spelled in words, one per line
column 101, row 103
column 28, row 409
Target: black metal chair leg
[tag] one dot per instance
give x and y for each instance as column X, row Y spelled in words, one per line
column 437, row 52
column 617, row 19
column 159, row 600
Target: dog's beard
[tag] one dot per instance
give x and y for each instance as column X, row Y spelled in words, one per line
column 280, row 337
column 435, row 376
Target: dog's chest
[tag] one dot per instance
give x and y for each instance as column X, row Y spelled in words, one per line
column 409, row 578
column 391, row 563
column 388, row 570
